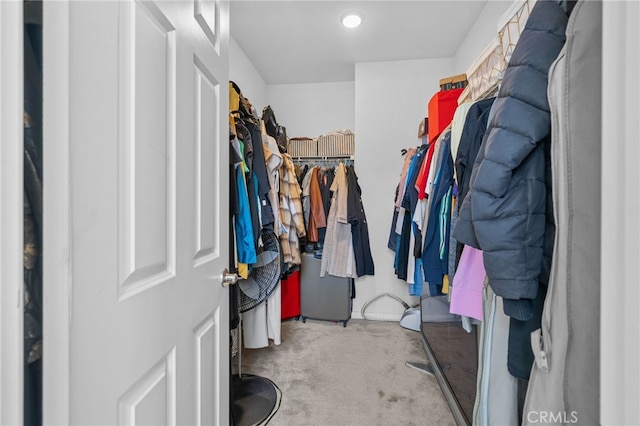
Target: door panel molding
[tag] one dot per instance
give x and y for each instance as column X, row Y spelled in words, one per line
column 207, row 13
column 207, row 157
column 162, row 378
column 206, row 336
column 147, row 195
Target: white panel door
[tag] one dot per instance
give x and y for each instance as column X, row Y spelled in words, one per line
column 11, row 213
column 146, row 109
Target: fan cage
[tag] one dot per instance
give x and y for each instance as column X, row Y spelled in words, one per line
column 267, row 276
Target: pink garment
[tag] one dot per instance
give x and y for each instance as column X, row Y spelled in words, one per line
column 468, row 281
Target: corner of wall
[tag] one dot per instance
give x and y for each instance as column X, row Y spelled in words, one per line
column 247, row 76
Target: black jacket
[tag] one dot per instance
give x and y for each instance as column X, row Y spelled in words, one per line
column 359, row 227
column 475, row 125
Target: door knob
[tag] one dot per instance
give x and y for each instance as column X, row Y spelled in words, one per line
column 228, row 278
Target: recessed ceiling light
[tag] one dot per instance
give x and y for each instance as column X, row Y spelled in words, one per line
column 351, row 20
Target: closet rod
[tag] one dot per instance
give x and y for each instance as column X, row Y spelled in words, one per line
column 323, row 157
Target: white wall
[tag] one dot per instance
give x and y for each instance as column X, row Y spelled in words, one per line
column 247, row 77
column 315, row 109
column 390, row 99
column 480, row 35
column 304, row 109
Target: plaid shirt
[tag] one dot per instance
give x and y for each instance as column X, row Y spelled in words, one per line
column 291, row 213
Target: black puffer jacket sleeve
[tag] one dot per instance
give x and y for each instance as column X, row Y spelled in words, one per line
column 504, row 211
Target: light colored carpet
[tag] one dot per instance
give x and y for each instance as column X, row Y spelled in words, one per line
column 332, row 375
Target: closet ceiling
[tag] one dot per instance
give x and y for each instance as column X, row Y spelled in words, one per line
column 303, row 41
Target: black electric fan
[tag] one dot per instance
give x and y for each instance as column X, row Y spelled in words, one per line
column 254, row 398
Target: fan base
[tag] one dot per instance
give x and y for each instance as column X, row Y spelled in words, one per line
column 253, row 399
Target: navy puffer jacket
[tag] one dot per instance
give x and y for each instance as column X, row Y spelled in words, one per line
column 505, row 211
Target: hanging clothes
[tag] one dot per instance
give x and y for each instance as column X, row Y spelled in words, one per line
column 317, row 218
column 338, row 257
column 408, row 159
column 359, row 227
column 392, row 241
column 260, row 171
column 404, row 262
column 466, row 296
column 418, row 207
column 510, row 171
column 291, row 213
column 394, row 237
column 414, row 267
column 303, row 173
column 251, row 179
column 565, row 376
column 457, row 128
column 470, row 140
column 243, row 226
column 425, row 171
column 306, row 202
column 424, row 187
column 262, row 323
column 435, row 253
column 256, row 160
column 325, row 180
column 496, row 390
column 508, row 211
column 273, row 162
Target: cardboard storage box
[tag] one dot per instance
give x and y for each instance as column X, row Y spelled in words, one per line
column 423, row 128
column 454, row 82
